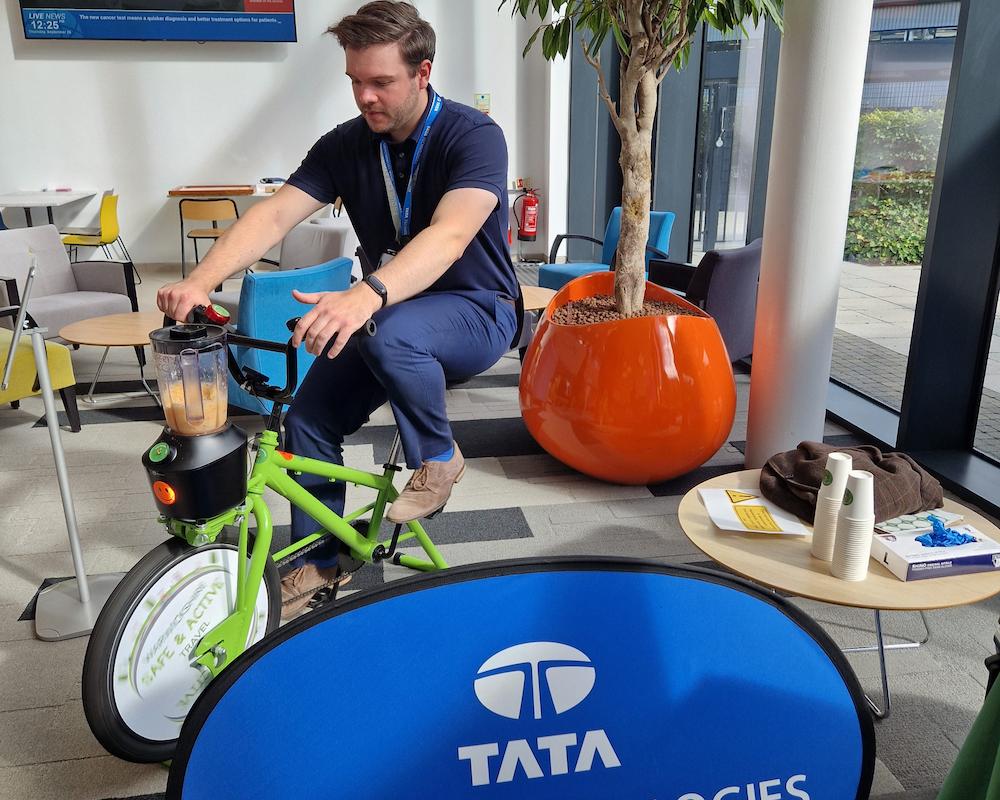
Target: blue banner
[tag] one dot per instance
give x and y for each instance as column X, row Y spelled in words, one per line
column 51, row 23
column 538, row 680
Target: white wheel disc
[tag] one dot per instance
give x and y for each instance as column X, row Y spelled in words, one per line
column 155, row 681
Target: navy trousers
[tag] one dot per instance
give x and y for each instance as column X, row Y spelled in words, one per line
column 421, row 344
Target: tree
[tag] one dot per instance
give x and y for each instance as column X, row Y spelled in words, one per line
column 652, row 36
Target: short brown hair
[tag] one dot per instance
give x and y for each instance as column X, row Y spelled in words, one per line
column 384, row 22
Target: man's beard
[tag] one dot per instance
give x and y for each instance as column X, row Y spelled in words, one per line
column 396, row 119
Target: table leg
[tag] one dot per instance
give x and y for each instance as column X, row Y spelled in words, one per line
column 881, row 647
column 90, row 394
column 27, row 216
column 150, row 392
column 49, row 210
column 147, row 389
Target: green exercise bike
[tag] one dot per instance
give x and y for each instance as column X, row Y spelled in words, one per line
column 198, row 600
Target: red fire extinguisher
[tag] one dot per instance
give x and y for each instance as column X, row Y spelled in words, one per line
column 527, row 220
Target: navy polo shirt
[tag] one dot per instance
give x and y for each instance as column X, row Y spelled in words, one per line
column 464, row 148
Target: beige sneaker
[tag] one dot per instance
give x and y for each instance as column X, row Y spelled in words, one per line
column 428, row 489
column 299, row 586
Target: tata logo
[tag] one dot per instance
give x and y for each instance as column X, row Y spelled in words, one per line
column 560, row 672
column 549, row 678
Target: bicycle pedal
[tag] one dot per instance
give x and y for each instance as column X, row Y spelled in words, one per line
column 325, row 595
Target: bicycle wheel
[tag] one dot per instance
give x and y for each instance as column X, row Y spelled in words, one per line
column 138, row 678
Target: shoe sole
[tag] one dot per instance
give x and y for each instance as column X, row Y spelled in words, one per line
column 432, row 512
column 340, row 580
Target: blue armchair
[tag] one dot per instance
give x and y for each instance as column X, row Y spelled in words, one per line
column 266, row 303
column 555, row 276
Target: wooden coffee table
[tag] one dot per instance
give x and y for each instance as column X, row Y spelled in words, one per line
column 131, row 329
column 536, row 298
column 785, row 563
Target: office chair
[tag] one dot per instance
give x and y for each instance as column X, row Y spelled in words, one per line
column 724, row 284
column 555, row 276
column 196, row 210
column 108, row 234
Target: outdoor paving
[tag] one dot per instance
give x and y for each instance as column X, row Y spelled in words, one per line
column 872, row 341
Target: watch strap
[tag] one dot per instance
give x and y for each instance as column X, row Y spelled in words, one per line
column 378, row 287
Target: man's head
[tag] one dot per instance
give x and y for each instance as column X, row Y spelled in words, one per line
column 389, row 52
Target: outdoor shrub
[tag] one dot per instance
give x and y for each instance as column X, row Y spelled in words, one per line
column 886, row 230
column 890, row 199
column 906, row 139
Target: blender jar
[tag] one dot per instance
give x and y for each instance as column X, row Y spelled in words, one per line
column 190, row 363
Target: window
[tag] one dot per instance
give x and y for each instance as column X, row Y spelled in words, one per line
column 906, row 85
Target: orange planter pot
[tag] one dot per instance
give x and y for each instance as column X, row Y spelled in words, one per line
column 632, row 401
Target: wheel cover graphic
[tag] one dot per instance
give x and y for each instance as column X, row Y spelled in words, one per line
column 155, row 681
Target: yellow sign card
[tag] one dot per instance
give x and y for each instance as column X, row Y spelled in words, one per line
column 757, row 518
column 738, row 497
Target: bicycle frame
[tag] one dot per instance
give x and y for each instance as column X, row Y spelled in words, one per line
column 271, row 470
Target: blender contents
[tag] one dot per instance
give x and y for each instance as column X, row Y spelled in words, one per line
column 214, row 406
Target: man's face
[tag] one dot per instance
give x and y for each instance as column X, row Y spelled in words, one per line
column 386, row 92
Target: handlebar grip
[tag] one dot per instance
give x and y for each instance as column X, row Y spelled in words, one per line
column 369, row 327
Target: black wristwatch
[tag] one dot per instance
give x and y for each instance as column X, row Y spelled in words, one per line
column 378, row 287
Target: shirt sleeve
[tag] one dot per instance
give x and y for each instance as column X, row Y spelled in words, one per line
column 479, row 161
column 315, row 174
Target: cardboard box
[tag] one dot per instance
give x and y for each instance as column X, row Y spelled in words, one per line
column 909, row 560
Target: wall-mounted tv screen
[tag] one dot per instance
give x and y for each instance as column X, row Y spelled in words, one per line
column 161, row 20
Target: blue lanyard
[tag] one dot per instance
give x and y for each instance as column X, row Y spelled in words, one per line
column 402, row 212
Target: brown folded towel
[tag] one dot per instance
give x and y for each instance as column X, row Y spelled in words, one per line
column 792, row 479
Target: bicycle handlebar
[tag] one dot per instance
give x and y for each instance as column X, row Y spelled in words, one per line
column 251, row 380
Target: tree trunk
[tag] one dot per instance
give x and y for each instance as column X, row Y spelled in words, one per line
column 637, row 174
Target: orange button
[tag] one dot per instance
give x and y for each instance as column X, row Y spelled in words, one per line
column 164, row 493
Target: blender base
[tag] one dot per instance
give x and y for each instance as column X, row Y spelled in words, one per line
column 59, row 614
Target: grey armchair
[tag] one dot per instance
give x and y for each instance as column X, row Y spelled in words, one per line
column 724, row 284
column 63, row 292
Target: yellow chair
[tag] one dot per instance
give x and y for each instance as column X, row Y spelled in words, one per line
column 24, row 378
column 108, row 234
column 196, row 210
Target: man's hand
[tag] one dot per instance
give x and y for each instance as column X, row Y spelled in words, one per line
column 177, row 299
column 333, row 314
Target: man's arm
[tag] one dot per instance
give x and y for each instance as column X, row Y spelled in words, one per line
column 241, row 246
column 457, row 219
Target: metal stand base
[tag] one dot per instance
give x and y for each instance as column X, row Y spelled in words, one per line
column 59, row 614
column 881, row 647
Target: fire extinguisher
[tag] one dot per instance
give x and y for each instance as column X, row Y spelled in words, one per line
column 527, row 220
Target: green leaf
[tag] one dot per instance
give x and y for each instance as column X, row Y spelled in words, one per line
column 548, row 47
column 531, row 41
column 623, row 45
column 565, row 34
column 543, row 8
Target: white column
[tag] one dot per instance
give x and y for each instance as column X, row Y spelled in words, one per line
column 820, row 79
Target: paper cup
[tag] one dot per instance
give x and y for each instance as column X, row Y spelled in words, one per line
column 859, row 496
column 825, row 528
column 838, row 466
column 853, row 547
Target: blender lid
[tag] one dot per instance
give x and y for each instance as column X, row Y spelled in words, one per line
column 177, row 338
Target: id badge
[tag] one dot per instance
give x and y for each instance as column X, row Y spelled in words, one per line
column 387, row 256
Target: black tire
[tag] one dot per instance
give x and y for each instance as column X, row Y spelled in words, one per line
column 104, row 714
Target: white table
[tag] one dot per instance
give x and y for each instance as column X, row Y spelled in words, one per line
column 46, row 200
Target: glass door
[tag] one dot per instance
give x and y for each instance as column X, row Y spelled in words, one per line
column 726, row 137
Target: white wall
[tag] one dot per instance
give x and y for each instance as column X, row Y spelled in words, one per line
column 145, row 116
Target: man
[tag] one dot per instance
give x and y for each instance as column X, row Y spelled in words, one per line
column 424, row 181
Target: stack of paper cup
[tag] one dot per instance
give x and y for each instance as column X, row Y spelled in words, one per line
column 828, row 501
column 855, row 528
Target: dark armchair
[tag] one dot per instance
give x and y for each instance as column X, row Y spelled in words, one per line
column 724, row 284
